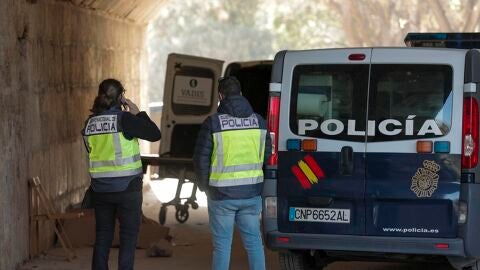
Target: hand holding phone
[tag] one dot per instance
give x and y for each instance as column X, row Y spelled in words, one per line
column 131, row 107
column 123, row 102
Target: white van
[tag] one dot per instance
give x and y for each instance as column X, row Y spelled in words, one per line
column 376, row 154
column 190, row 96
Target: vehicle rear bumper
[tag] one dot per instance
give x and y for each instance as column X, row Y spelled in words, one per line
column 380, row 244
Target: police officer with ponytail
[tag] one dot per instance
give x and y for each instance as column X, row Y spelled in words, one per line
column 111, row 138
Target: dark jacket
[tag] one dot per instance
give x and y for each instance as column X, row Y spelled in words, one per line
column 236, row 106
column 132, row 126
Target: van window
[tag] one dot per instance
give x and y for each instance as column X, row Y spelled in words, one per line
column 329, row 100
column 412, row 101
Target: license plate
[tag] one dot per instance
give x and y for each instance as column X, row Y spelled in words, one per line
column 329, row 215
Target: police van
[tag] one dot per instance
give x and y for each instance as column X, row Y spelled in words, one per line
column 375, row 154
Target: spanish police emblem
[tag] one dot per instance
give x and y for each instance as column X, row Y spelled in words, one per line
column 425, row 180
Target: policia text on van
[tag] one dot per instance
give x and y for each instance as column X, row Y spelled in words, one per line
column 375, row 153
column 389, row 127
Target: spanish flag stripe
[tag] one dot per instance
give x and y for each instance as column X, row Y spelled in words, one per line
column 301, row 177
column 308, row 172
column 314, row 166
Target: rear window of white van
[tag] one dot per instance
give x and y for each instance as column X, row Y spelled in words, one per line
column 405, row 101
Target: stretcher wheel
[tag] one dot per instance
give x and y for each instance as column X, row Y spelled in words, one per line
column 182, row 214
column 162, row 215
column 195, row 205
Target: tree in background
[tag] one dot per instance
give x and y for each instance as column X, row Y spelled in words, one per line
column 242, row 30
column 298, row 24
column 226, row 30
column 385, row 23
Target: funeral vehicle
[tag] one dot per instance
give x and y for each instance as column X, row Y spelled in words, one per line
column 190, row 96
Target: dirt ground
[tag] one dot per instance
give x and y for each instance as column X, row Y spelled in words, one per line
column 192, row 245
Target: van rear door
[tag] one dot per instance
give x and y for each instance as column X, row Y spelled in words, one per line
column 190, row 95
column 254, row 76
column 321, row 147
column 413, row 154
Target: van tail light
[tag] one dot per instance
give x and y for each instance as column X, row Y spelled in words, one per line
column 470, row 133
column 271, row 207
column 273, row 117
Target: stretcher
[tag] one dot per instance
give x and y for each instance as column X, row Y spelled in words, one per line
column 174, row 167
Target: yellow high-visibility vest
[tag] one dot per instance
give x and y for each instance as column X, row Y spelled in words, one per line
column 238, row 152
column 110, row 153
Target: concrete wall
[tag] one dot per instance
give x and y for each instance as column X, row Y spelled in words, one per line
column 53, row 55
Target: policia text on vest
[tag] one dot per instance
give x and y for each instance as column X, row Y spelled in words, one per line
column 238, row 154
column 101, row 124
column 110, row 153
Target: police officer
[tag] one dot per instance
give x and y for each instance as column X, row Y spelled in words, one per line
column 111, row 138
column 230, row 151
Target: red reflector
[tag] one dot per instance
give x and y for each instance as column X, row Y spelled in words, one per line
column 470, row 133
column 442, row 246
column 273, row 117
column 356, row 57
column 283, row 239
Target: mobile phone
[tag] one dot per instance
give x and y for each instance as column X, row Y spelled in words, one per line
column 124, row 103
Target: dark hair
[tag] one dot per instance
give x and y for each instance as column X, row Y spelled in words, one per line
column 229, row 86
column 109, row 95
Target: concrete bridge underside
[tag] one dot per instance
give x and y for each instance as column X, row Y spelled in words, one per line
column 53, row 55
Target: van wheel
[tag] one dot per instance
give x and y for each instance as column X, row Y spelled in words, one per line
column 475, row 266
column 297, row 261
column 461, row 263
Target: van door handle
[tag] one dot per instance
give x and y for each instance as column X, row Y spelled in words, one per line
column 346, row 160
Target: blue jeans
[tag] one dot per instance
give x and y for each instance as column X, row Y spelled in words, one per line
column 223, row 214
column 128, row 207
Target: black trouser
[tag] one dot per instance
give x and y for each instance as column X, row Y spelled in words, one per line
column 127, row 206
